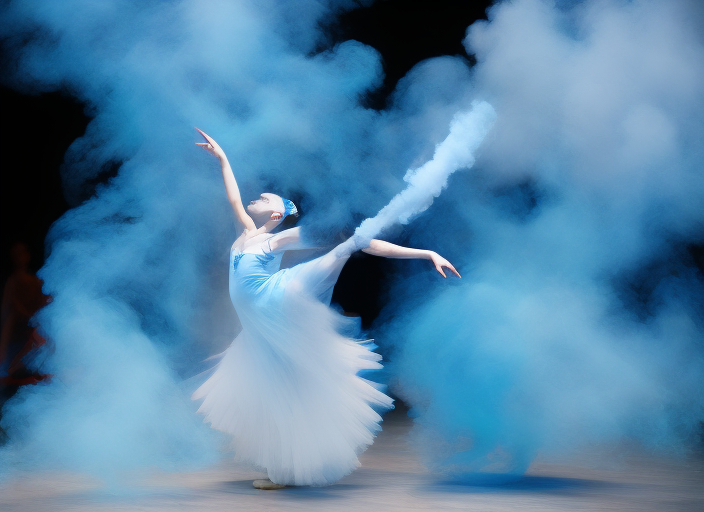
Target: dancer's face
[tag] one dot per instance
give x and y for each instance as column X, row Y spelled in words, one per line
column 266, row 205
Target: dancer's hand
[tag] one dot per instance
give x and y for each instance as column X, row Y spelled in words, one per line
column 210, row 145
column 441, row 263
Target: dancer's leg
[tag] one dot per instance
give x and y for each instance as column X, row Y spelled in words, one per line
column 318, row 276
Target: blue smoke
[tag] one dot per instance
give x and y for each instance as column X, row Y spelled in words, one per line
column 590, row 177
column 579, row 318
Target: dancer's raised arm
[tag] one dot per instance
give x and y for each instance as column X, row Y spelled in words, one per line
column 389, row 250
column 233, row 191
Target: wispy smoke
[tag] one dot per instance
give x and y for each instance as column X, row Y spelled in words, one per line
column 578, row 317
column 467, row 131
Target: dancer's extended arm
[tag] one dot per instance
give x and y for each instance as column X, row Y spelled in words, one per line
column 290, row 239
column 389, row 250
column 233, row 191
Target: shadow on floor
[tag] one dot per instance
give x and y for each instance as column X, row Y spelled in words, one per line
column 526, row 484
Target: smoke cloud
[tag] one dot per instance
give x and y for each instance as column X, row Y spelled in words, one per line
column 578, row 318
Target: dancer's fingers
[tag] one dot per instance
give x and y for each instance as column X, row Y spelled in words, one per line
column 449, row 265
column 205, row 135
column 439, row 269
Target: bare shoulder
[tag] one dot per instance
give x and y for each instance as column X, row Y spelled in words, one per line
column 287, row 239
column 239, row 242
column 250, row 240
column 289, row 233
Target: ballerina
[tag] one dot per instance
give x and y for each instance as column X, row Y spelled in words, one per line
column 287, row 389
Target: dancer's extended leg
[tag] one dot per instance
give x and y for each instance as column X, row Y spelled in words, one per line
column 318, row 276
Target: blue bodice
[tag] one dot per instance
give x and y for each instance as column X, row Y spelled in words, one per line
column 254, row 277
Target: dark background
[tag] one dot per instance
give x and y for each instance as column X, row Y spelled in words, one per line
column 37, row 130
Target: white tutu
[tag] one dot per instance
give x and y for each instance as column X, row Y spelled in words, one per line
column 287, row 389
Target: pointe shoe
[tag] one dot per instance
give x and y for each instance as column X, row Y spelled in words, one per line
column 267, row 485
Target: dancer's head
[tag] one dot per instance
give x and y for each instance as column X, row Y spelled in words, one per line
column 271, row 207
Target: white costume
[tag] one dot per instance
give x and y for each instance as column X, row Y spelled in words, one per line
column 287, row 388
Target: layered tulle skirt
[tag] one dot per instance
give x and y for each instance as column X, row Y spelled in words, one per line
column 288, row 388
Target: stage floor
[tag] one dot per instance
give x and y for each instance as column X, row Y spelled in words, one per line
column 391, row 478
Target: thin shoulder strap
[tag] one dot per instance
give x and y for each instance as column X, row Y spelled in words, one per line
column 267, row 244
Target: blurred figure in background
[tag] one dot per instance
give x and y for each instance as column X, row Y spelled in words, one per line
column 22, row 297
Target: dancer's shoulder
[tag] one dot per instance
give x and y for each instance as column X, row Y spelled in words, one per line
column 287, row 240
column 239, row 243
